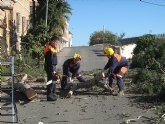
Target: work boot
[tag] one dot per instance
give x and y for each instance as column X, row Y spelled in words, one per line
column 121, row 93
column 52, row 97
column 69, row 94
column 63, row 83
column 107, row 88
column 51, row 92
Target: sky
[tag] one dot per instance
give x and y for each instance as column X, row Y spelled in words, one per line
column 132, row 17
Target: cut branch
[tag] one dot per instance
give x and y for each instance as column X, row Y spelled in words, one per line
column 94, row 81
column 26, row 89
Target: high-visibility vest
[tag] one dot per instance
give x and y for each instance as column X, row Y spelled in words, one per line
column 48, row 47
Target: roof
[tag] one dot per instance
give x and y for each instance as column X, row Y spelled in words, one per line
column 7, row 4
column 132, row 40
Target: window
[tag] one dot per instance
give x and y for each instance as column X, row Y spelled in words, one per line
column 18, row 21
column 23, row 24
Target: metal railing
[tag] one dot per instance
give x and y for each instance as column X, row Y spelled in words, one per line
column 11, row 73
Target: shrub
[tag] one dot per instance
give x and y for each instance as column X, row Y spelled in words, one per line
column 149, row 56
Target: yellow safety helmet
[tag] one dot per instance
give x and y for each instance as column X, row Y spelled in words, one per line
column 108, row 51
column 77, row 56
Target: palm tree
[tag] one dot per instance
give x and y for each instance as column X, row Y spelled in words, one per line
column 57, row 15
column 58, row 12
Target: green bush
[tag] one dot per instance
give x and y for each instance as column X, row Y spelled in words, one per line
column 150, row 82
column 29, row 66
column 149, row 56
column 149, row 50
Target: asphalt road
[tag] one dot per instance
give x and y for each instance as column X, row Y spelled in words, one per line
column 92, row 57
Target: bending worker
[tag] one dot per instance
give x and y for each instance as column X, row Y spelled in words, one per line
column 117, row 66
column 71, row 69
column 50, row 54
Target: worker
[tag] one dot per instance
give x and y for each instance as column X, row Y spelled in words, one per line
column 70, row 70
column 50, row 54
column 117, row 67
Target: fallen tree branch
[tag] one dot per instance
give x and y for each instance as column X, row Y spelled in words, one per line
column 133, row 120
column 26, row 89
column 94, row 81
column 128, row 121
column 162, row 119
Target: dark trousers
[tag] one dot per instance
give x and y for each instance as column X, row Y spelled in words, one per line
column 51, row 88
column 63, row 82
column 120, row 83
column 118, row 73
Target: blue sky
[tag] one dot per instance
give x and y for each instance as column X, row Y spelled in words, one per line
column 132, row 17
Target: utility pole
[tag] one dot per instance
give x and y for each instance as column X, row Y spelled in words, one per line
column 103, row 34
column 103, row 28
column 34, row 13
column 46, row 18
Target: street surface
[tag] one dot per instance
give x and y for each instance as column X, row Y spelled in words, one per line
column 92, row 57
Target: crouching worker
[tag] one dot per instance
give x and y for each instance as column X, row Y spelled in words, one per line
column 71, row 69
column 50, row 54
column 117, row 66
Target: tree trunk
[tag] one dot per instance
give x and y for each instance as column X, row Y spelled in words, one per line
column 26, row 89
column 94, row 81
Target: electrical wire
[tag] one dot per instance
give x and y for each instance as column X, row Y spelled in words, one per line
column 152, row 3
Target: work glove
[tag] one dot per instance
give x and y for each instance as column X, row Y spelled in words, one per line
column 70, row 80
column 54, row 73
column 109, row 73
column 112, row 75
column 69, row 74
column 55, row 76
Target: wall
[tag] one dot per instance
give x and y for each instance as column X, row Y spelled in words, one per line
column 67, row 37
column 16, row 22
column 127, row 50
column 21, row 13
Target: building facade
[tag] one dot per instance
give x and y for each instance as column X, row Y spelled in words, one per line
column 128, row 45
column 21, row 16
column 66, row 40
column 15, row 21
column 15, row 16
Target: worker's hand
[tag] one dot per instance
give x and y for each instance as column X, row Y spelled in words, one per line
column 106, row 74
column 69, row 74
column 54, row 73
column 113, row 76
column 70, row 80
column 109, row 73
column 55, row 76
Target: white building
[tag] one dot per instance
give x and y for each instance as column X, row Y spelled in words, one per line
column 128, row 45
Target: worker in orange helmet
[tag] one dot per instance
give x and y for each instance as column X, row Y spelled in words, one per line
column 71, row 69
column 117, row 66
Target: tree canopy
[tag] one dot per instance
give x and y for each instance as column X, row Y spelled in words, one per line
column 36, row 37
column 58, row 12
column 147, row 49
column 100, row 37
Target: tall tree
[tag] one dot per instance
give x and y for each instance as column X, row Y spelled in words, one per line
column 56, row 19
column 58, row 12
column 99, row 37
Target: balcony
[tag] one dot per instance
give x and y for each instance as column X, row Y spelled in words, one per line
column 7, row 4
